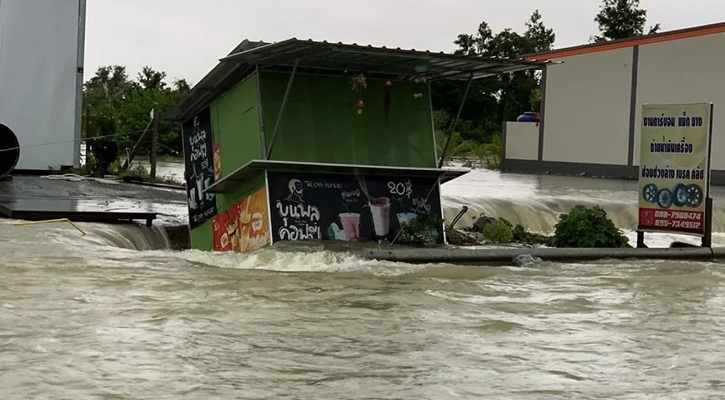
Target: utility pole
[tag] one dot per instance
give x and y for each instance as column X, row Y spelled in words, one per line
column 154, row 140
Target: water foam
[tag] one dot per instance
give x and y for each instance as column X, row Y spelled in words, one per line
column 536, row 202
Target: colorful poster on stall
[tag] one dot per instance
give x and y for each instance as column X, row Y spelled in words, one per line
column 308, row 206
column 674, row 168
column 217, row 161
column 244, row 227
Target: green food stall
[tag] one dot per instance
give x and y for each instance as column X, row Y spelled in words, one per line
column 302, row 140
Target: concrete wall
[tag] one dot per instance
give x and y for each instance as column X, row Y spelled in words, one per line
column 592, row 105
column 684, row 71
column 587, row 104
column 41, row 72
column 522, row 141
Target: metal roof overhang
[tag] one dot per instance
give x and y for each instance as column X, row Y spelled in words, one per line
column 339, row 58
column 394, row 63
column 253, row 168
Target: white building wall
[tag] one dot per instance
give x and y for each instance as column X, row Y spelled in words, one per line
column 522, row 141
column 587, row 108
column 684, row 71
column 39, row 61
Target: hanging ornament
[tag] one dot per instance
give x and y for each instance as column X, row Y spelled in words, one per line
column 358, row 83
column 419, row 80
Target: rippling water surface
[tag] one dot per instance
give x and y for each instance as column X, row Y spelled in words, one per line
column 108, row 315
column 82, row 318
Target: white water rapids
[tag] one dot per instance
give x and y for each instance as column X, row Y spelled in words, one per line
column 112, row 315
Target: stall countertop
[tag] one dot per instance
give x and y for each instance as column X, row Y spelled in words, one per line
column 254, row 167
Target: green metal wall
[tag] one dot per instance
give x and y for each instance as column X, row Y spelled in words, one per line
column 235, row 123
column 321, row 124
column 235, row 126
column 202, row 237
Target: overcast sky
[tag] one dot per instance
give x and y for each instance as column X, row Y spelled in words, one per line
column 186, row 38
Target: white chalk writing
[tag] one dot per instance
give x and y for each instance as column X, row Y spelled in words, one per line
column 421, row 204
column 305, row 232
column 323, row 185
column 298, row 211
column 401, row 189
column 299, row 222
column 354, row 194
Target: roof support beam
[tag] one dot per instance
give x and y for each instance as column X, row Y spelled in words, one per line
column 455, row 122
column 282, row 107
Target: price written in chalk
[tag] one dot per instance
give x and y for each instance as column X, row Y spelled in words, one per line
column 401, row 188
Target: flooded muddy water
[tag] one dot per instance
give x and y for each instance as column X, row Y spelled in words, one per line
column 113, row 315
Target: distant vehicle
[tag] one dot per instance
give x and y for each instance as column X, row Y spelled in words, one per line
column 41, row 79
column 529, row 116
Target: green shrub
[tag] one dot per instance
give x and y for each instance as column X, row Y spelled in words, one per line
column 521, row 235
column 588, row 227
column 135, row 173
column 498, row 232
column 421, row 231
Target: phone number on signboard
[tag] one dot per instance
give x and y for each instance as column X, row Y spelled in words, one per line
column 678, row 224
column 679, row 215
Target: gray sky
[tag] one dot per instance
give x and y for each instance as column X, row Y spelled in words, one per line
column 186, row 38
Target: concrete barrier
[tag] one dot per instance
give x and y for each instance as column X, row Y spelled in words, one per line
column 508, row 256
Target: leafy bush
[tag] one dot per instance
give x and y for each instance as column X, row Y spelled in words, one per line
column 498, row 232
column 423, row 230
column 521, row 235
column 588, row 227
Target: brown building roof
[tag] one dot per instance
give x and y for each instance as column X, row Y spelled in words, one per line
column 631, row 42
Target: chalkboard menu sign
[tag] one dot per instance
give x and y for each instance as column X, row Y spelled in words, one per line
column 348, row 207
column 199, row 165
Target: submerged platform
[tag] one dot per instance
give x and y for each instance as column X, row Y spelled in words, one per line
column 78, row 210
column 36, row 198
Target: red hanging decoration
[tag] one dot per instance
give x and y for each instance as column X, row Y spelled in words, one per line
column 358, row 83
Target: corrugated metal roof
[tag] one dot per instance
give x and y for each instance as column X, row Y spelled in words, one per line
column 629, row 42
column 325, row 57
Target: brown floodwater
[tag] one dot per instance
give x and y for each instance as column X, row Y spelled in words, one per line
column 109, row 316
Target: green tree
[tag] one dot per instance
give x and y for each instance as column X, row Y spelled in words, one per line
column 115, row 106
column 499, row 98
column 621, row 19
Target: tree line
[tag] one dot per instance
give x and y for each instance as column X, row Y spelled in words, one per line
column 116, row 107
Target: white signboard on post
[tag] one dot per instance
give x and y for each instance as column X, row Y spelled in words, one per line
column 674, row 178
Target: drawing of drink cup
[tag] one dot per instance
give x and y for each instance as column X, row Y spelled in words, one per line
column 405, row 218
column 350, row 225
column 200, row 187
column 192, row 199
column 380, row 210
column 207, row 183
